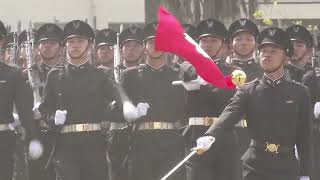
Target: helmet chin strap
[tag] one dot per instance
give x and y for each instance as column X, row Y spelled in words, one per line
column 251, row 52
column 301, row 57
column 215, row 56
column 135, row 61
column 82, row 54
column 50, row 58
column 276, row 69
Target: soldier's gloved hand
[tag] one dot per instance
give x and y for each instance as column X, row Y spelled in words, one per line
column 317, row 110
column 202, row 81
column 143, row 109
column 304, row 178
column 191, row 85
column 60, row 117
column 35, row 149
column 204, row 143
column 36, row 112
column 130, row 112
column 317, row 72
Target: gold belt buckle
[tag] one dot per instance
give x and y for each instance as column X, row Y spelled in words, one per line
column 244, row 123
column 157, row 125
column 208, row 121
column 81, row 127
column 273, row 148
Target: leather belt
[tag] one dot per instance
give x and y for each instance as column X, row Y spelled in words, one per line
column 6, row 127
column 157, row 125
column 117, row 126
column 202, row 121
column 208, row 121
column 87, row 127
column 271, row 148
column 242, row 123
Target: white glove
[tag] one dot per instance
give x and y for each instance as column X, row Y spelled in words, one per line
column 317, row 72
column 143, row 109
column 204, row 143
column 191, row 85
column 130, row 112
column 202, row 81
column 317, row 110
column 296, row 152
column 60, row 117
column 16, row 121
column 35, row 149
column 36, row 112
column 304, row 178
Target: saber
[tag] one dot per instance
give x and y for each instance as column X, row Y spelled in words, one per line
column 196, row 150
column 192, row 153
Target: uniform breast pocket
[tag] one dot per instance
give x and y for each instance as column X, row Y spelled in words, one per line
column 289, row 106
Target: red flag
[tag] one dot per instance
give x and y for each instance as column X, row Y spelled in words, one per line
column 170, row 37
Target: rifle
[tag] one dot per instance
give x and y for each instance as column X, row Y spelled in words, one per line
column 34, row 82
column 90, row 55
column 14, row 50
column 33, row 74
column 117, row 59
column 122, row 96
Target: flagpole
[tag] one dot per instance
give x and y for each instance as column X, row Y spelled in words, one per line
column 193, row 152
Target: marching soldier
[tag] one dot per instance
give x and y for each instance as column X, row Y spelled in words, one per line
column 50, row 38
column 302, row 50
column 243, row 35
column 274, row 124
column 77, row 96
column 105, row 40
column 156, row 142
column 132, row 47
column 14, row 91
column 312, row 80
column 22, row 163
column 118, row 135
column 204, row 106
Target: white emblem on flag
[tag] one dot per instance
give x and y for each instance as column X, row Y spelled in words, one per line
column 196, row 45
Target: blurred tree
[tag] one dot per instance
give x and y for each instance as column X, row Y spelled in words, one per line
column 260, row 18
column 193, row 11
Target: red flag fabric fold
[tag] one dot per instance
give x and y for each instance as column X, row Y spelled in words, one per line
column 170, row 37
